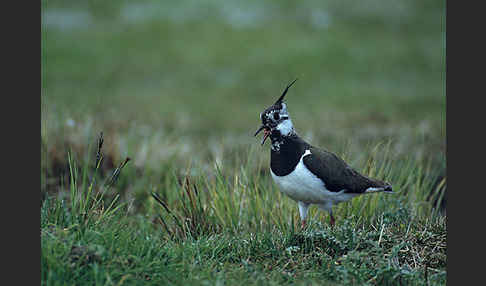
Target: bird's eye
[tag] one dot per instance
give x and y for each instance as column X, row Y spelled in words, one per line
column 276, row 116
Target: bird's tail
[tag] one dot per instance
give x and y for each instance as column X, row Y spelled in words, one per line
column 387, row 189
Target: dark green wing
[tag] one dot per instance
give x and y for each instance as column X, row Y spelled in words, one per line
column 336, row 174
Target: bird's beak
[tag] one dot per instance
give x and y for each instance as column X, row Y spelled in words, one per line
column 266, row 132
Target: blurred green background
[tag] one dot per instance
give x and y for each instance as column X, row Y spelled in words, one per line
column 173, row 81
column 178, row 87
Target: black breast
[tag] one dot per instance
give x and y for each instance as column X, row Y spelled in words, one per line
column 284, row 161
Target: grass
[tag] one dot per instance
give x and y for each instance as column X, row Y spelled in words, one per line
column 236, row 228
column 178, row 88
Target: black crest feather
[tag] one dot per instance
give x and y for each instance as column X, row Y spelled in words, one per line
column 284, row 92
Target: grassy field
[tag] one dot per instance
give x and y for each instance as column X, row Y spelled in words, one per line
column 178, row 88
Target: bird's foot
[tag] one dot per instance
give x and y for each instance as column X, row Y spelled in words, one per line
column 303, row 224
column 333, row 221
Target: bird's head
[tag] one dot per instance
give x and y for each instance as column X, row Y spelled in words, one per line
column 276, row 119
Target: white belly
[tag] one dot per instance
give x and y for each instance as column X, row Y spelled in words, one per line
column 302, row 185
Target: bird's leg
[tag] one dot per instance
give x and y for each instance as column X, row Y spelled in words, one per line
column 304, row 223
column 303, row 208
column 333, row 221
column 328, row 207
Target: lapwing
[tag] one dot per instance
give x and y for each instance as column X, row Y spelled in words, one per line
column 307, row 174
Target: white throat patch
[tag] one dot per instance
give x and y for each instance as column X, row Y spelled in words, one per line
column 285, row 127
